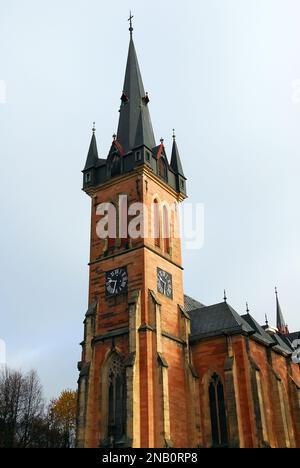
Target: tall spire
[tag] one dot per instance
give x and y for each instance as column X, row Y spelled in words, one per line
column 92, row 156
column 280, row 322
column 175, row 158
column 135, row 127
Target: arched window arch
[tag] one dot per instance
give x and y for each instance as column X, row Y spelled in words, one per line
column 217, row 412
column 116, row 404
column 156, row 223
column 166, row 230
column 162, row 168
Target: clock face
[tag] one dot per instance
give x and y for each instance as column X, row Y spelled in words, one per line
column 164, row 283
column 116, row 281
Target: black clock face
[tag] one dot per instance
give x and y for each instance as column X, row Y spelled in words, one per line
column 164, row 283
column 116, row 281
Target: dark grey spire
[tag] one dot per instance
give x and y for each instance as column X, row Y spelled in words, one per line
column 92, row 156
column 135, row 127
column 280, row 322
column 175, row 159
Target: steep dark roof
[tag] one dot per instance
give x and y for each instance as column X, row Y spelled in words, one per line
column 260, row 333
column 92, row 157
column 282, row 343
column 135, row 127
column 216, row 320
column 191, row 304
column 175, row 160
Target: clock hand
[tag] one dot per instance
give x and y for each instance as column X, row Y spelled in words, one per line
column 164, row 283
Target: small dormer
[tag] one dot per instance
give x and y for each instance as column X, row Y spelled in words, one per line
column 115, row 159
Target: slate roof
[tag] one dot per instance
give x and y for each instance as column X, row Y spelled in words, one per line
column 282, row 343
column 191, row 304
column 92, row 157
column 221, row 319
column 175, row 160
column 260, row 333
column 217, row 319
column 135, row 127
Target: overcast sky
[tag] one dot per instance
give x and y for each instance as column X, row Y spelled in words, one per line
column 224, row 74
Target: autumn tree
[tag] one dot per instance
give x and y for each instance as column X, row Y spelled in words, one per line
column 62, row 413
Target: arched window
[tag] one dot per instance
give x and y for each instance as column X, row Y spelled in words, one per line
column 156, row 224
column 116, row 428
column 162, row 169
column 166, row 230
column 217, row 412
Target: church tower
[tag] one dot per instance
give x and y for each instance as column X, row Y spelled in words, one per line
column 135, row 378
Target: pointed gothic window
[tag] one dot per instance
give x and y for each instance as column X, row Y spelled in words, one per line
column 156, row 224
column 217, row 412
column 116, row 428
column 166, row 230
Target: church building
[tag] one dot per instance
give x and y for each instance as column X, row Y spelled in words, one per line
column 158, row 368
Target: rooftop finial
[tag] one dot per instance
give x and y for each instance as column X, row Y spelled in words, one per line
column 130, row 22
column 94, row 127
column 247, row 308
column 174, row 134
column 266, row 320
column 225, row 296
column 276, row 291
column 162, row 141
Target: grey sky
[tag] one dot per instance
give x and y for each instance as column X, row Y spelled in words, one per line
column 224, row 74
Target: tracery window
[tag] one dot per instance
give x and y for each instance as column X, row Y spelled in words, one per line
column 217, row 412
column 116, row 399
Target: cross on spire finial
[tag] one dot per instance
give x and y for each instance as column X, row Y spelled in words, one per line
column 130, row 22
column 247, row 308
column 94, row 127
column 225, row 296
column 276, row 291
column 174, row 134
